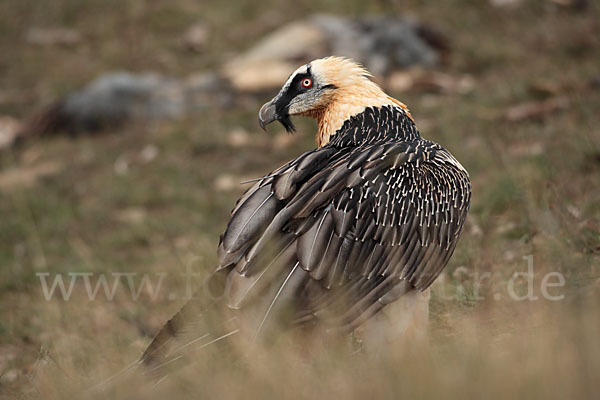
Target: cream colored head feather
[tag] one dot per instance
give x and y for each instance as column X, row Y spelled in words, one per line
column 355, row 92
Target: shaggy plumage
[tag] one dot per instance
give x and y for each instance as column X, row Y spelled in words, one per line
column 335, row 235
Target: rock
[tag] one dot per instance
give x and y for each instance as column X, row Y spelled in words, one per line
column 55, row 36
column 272, row 59
column 521, row 149
column 149, row 153
column 238, row 137
column 196, row 37
column 506, row 3
column 509, row 256
column 132, row 215
column 547, row 88
column 9, row 376
column 429, row 81
column 536, row 109
column 27, row 176
column 121, row 166
column 109, row 101
column 401, row 81
column 204, row 90
column 575, row 5
column 119, row 97
column 506, row 227
column 9, row 130
column 574, row 211
column 226, row 183
column 383, row 44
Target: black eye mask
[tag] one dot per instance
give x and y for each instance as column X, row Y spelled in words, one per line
column 283, row 103
column 296, row 88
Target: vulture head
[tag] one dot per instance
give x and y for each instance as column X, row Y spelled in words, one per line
column 330, row 90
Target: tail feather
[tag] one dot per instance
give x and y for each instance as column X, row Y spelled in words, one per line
column 204, row 321
column 199, row 323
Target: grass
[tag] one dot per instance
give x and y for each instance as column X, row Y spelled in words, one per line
column 534, row 193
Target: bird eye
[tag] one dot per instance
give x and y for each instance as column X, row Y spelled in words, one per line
column 306, row 83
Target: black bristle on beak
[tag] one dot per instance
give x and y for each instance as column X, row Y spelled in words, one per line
column 287, row 124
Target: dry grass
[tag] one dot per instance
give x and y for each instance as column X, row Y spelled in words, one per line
column 535, row 193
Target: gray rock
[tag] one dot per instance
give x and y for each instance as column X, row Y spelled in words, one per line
column 120, row 97
column 383, row 44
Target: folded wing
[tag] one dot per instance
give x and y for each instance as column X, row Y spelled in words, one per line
column 339, row 233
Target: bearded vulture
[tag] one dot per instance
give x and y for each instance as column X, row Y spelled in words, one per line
column 334, row 236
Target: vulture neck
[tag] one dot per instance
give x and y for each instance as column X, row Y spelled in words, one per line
column 349, row 103
column 388, row 123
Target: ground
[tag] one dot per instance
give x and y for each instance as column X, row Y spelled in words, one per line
column 153, row 198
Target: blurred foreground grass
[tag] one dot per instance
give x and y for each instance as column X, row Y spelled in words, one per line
column 154, row 198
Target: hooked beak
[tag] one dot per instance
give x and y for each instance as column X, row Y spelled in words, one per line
column 267, row 114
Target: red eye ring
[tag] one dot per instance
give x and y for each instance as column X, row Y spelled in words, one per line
column 306, row 83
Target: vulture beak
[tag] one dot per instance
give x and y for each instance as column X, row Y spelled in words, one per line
column 267, row 114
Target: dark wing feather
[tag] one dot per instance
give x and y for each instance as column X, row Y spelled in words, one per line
column 389, row 212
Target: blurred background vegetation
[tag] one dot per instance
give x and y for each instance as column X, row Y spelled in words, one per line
column 153, row 196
